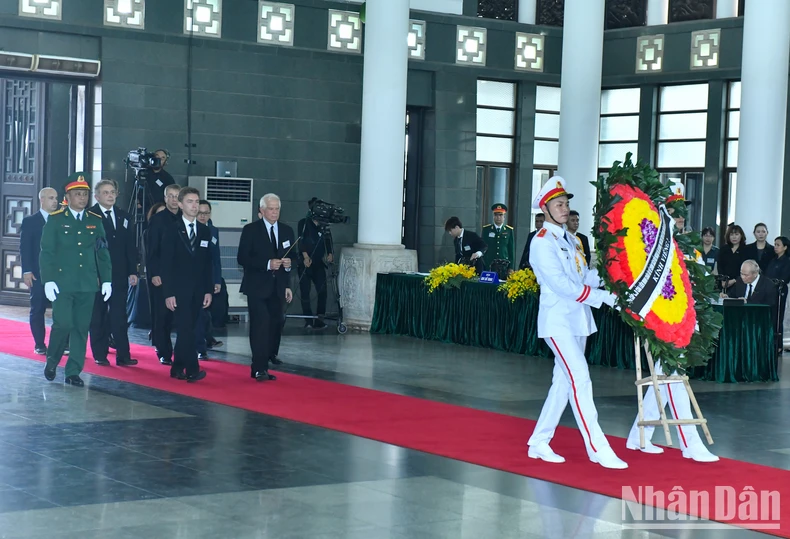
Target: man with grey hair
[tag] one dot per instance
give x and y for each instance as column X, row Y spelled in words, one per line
column 753, row 287
column 266, row 251
column 30, row 247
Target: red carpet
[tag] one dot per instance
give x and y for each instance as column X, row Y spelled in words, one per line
column 484, row 438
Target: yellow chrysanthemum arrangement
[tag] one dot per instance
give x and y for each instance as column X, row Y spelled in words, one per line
column 520, row 283
column 451, row 275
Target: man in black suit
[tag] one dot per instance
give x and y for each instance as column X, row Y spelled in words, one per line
column 539, row 220
column 468, row 245
column 573, row 228
column 753, row 287
column 30, row 247
column 161, row 316
column 266, row 251
column 110, row 317
column 187, row 281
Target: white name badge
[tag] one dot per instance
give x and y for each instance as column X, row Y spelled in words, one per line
column 467, row 248
column 159, row 183
column 204, row 243
column 126, row 223
column 491, row 235
column 286, row 244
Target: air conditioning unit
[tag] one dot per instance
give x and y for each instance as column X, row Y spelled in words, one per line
column 231, row 199
column 58, row 65
column 17, row 61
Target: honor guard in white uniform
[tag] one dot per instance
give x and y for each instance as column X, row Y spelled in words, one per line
column 568, row 288
column 673, row 395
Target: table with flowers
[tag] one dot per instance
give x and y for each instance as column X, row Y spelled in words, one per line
column 481, row 314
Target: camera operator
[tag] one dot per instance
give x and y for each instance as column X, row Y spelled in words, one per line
column 157, row 178
column 314, row 245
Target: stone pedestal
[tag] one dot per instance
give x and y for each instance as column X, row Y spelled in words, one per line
column 359, row 266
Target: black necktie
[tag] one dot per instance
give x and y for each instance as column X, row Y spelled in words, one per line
column 108, row 213
column 273, row 238
column 749, row 293
column 192, row 236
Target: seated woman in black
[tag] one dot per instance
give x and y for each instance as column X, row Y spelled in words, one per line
column 732, row 255
column 710, row 253
column 779, row 268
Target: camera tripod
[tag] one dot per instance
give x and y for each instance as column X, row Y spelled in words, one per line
column 140, row 201
column 332, row 279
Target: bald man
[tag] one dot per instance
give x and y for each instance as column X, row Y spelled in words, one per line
column 30, row 247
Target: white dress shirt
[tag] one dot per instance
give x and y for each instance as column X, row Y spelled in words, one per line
column 78, row 215
column 44, row 214
column 112, row 215
column 276, row 236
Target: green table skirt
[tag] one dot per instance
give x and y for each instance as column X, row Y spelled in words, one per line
column 478, row 315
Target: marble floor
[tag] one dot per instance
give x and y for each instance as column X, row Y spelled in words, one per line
column 121, row 461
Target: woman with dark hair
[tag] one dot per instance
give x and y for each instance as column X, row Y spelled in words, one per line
column 733, row 255
column 760, row 251
column 779, row 268
column 710, row 253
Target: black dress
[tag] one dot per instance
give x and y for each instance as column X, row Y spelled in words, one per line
column 763, row 258
column 729, row 262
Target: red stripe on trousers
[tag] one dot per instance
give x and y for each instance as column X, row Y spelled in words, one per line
column 575, row 397
column 675, row 413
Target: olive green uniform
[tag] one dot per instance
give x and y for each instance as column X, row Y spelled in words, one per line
column 501, row 244
column 75, row 257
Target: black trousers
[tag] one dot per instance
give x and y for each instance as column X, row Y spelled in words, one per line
column 316, row 275
column 162, row 320
column 109, row 318
column 38, row 306
column 188, row 307
column 266, row 321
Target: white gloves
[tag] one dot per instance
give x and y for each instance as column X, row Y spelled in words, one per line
column 610, row 299
column 51, row 290
column 106, row 290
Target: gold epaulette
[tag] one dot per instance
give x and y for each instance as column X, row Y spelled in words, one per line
column 488, row 225
column 61, row 210
column 96, row 214
column 508, row 226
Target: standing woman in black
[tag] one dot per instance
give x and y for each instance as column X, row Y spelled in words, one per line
column 710, row 253
column 732, row 255
column 760, row 251
column 779, row 268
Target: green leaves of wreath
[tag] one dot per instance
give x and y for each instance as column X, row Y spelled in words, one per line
column 701, row 346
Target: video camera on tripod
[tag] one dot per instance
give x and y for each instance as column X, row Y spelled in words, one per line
column 141, row 159
column 326, row 213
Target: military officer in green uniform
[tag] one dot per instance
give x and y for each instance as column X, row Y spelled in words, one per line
column 499, row 238
column 74, row 261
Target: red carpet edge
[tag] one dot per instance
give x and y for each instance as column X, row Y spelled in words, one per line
column 483, row 438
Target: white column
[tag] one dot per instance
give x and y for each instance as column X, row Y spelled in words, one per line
column 527, row 11
column 379, row 247
column 657, row 12
column 726, row 9
column 386, row 67
column 761, row 142
column 582, row 59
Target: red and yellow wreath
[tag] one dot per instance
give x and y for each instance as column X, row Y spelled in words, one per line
column 664, row 298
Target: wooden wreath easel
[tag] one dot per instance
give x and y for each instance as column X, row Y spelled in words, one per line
column 656, row 381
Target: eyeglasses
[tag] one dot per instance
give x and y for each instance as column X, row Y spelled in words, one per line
column 172, row 196
column 204, row 213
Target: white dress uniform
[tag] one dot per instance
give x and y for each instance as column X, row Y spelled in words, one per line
column 677, row 398
column 568, row 288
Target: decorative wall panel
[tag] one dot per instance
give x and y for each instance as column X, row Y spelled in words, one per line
column 625, row 13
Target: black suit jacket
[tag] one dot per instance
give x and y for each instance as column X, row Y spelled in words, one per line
column 30, row 243
column 184, row 271
column 255, row 251
column 751, row 253
column 764, row 293
column 469, row 245
column 524, row 263
column 154, row 237
column 121, row 242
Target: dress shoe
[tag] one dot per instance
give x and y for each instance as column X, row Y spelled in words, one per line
column 214, row 344
column 50, row 372
column 202, row 356
column 66, row 351
column 276, row 361
column 178, row 375
column 649, row 447
column 165, row 360
column 75, row 381
column 263, row 376
column 319, row 325
column 125, row 362
column 192, row 378
column 699, row 453
column 606, row 458
column 308, row 324
column 40, row 350
column 103, row 362
column 544, row 452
